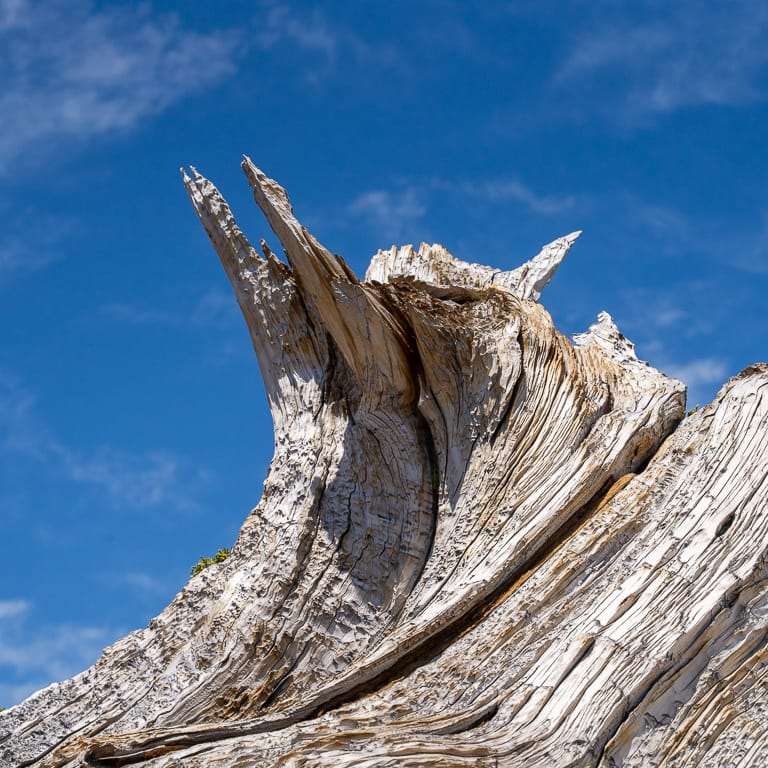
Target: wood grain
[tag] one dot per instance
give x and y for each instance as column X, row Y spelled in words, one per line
column 480, row 543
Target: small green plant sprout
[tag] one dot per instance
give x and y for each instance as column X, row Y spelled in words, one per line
column 694, row 409
column 204, row 562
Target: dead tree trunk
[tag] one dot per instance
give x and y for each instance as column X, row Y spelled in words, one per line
column 479, row 544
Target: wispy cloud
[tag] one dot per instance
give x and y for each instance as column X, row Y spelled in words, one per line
column 137, row 481
column 58, row 653
column 25, row 248
column 21, row 431
column 699, row 375
column 650, row 311
column 74, row 71
column 283, row 26
column 11, row 609
column 661, row 228
column 670, row 322
column 107, row 68
column 507, row 190
column 144, row 582
column 706, row 370
column 127, row 480
column 393, row 212
column 309, row 31
column 747, row 248
column 11, row 13
column 660, row 221
column 659, row 58
column 396, row 211
column 212, row 309
column 16, row 256
column 33, row 655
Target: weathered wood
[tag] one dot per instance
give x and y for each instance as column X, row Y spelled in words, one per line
column 479, row 543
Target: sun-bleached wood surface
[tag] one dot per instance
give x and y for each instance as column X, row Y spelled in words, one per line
column 480, row 543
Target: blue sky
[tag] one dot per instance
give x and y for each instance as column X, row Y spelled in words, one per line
column 134, row 435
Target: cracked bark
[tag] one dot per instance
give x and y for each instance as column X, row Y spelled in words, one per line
column 479, row 543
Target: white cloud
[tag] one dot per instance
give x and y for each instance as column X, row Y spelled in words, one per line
column 392, row 212
column 11, row 12
column 747, row 248
column 138, row 481
column 323, row 45
column 16, row 256
column 308, row 31
column 702, row 376
column 12, row 609
column 33, row 656
column 57, row 653
column 659, row 220
column 667, row 316
column 706, row 370
column 144, row 582
column 21, row 432
column 666, row 230
column 72, row 71
column 646, row 311
column 213, row 309
column 509, row 190
column 690, row 54
column 128, row 480
column 25, row 248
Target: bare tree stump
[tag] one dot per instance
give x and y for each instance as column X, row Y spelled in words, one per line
column 479, row 543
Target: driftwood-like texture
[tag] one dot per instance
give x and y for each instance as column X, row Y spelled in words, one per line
column 479, row 544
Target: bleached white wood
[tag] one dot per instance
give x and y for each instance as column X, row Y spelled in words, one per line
column 479, row 543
